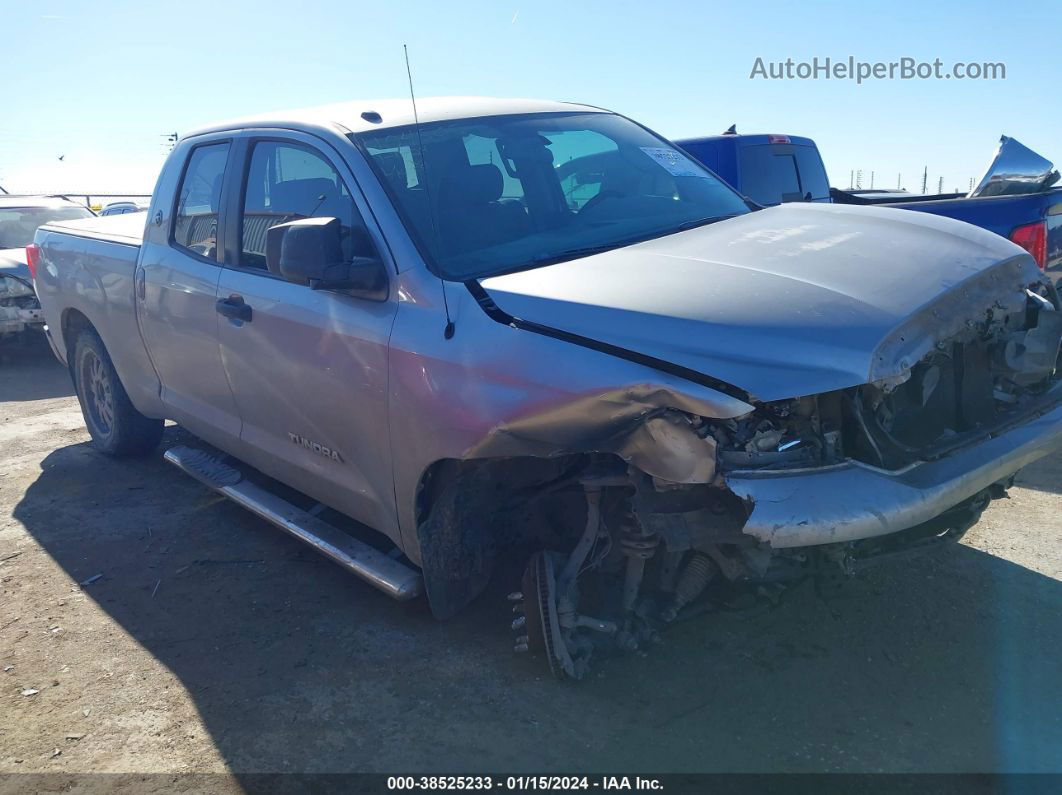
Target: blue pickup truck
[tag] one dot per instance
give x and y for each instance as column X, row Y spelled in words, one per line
column 1015, row 199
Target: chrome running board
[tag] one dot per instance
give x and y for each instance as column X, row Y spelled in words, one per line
column 392, row 577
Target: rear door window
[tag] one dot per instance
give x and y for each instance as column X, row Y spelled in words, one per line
column 195, row 225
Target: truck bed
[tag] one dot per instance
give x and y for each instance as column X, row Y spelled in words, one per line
column 127, row 229
column 88, row 270
column 999, row 214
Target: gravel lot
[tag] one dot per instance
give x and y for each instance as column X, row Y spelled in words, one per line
column 212, row 643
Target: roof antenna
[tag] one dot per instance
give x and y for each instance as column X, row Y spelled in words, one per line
column 448, row 332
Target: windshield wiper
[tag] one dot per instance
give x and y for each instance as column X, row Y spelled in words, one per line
column 573, row 253
column 551, row 259
column 704, row 221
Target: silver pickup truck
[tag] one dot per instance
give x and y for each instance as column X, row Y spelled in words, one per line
column 439, row 328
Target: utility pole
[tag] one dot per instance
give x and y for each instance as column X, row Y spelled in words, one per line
column 859, row 179
column 171, row 140
column 898, row 181
column 851, row 179
column 940, row 185
column 872, row 180
column 925, row 176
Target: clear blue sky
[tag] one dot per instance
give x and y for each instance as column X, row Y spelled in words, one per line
column 101, row 82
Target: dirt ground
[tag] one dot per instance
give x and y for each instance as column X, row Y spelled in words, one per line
column 200, row 639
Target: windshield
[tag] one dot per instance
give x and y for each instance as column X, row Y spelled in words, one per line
column 18, row 224
column 509, row 192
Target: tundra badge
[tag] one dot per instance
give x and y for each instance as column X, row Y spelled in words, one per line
column 320, row 449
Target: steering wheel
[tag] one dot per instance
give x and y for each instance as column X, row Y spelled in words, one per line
column 608, row 193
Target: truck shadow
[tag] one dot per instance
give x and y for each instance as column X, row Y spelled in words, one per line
column 944, row 663
column 29, row 371
column 1044, row 475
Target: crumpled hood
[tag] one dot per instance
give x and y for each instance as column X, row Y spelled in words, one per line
column 794, row 300
column 13, row 260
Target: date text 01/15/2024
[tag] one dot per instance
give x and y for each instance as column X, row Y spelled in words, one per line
column 523, row 783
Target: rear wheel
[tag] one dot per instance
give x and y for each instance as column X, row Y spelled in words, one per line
column 116, row 427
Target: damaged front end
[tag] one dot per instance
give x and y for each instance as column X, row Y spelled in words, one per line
column 641, row 507
column 992, row 369
column 19, row 307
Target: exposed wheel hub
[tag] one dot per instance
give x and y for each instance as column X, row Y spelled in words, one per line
column 544, row 632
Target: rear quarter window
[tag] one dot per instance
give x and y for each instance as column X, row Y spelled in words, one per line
column 195, row 223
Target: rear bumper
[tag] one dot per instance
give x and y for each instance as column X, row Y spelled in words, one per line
column 853, row 501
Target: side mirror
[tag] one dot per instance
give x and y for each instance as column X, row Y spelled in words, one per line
column 309, row 251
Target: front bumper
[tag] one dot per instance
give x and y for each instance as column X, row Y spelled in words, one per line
column 13, row 319
column 851, row 501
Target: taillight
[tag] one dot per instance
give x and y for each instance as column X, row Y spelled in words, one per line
column 33, row 259
column 1032, row 238
column 778, row 139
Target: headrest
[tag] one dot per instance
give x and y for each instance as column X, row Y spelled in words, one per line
column 474, row 184
column 393, row 166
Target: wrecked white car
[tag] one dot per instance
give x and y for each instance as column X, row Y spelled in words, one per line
column 20, row 216
column 509, row 327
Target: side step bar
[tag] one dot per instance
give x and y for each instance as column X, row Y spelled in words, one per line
column 390, row 576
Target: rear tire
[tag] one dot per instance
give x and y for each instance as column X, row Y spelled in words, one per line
column 116, row 427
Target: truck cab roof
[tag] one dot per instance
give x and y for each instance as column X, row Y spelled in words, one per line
column 372, row 114
column 750, row 139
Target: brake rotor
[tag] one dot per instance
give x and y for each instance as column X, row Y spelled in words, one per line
column 540, row 606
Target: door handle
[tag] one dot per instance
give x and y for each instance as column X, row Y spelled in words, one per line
column 234, row 308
